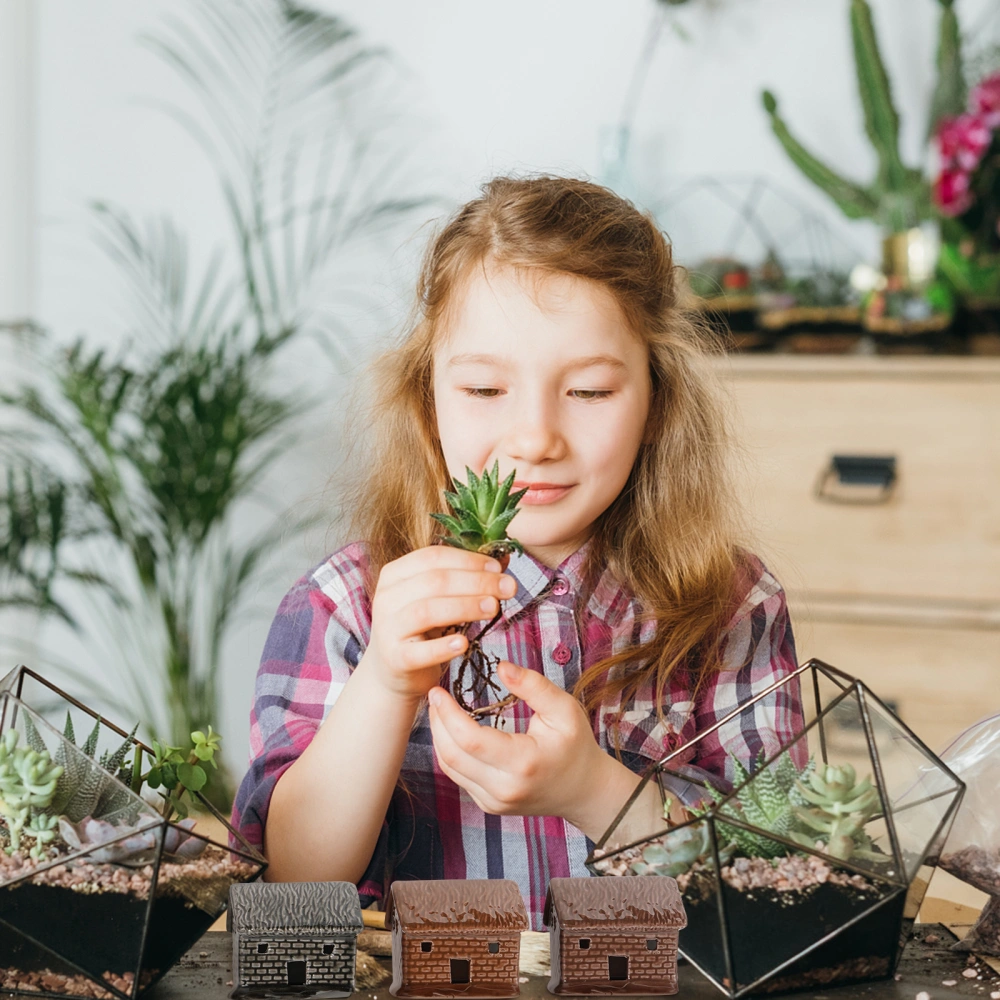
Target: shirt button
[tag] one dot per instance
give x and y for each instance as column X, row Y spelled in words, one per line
column 562, row 653
column 560, row 587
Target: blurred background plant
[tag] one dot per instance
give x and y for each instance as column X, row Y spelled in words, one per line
column 967, row 193
column 899, row 197
column 122, row 474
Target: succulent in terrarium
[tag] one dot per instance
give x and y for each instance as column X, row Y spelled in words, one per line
column 836, row 810
column 821, row 807
column 480, row 513
column 678, row 851
column 43, row 799
column 28, row 781
column 768, row 802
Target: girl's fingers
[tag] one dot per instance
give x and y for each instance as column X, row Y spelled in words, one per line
column 421, row 616
column 432, row 558
column 421, row 653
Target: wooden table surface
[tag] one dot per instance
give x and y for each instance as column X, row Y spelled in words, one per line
column 205, row 972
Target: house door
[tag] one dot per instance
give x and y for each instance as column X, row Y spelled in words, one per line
column 617, row 966
column 296, row 973
column 460, row 970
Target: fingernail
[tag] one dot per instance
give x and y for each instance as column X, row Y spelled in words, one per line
column 493, row 566
column 434, row 696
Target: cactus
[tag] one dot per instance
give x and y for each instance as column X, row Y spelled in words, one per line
column 900, row 196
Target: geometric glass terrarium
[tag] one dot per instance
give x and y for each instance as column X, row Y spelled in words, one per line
column 807, row 868
column 99, row 893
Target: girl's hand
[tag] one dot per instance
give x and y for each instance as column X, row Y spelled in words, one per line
column 554, row 769
column 416, row 597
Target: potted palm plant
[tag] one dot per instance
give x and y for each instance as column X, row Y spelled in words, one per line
column 131, row 506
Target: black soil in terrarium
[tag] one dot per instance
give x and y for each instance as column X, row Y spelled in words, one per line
column 768, row 925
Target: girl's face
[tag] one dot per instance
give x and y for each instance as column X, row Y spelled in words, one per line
column 516, row 381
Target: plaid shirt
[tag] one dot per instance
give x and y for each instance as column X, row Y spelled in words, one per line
column 323, row 625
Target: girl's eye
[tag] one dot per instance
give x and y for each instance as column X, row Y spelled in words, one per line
column 478, row 393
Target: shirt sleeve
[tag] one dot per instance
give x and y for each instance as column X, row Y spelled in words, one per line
column 308, row 657
column 758, row 651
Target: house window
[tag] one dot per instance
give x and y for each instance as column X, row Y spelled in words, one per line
column 426, row 945
column 460, row 970
column 328, row 949
column 262, row 948
column 618, row 967
column 651, row 944
column 584, row 942
column 296, row 973
column 494, row 947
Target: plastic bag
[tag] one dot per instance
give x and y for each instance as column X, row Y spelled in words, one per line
column 972, row 852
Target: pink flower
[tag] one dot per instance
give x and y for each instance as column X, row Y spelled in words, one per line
column 984, row 101
column 951, row 192
column 963, row 141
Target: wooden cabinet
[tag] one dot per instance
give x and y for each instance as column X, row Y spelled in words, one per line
column 900, row 588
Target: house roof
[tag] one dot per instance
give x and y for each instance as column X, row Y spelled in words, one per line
column 278, row 906
column 456, row 905
column 636, row 900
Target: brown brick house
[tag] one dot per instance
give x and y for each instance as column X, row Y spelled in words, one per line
column 455, row 937
column 610, row 936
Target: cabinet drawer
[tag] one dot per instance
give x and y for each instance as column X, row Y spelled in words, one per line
column 937, row 536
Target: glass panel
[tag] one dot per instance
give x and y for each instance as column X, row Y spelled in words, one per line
column 920, row 794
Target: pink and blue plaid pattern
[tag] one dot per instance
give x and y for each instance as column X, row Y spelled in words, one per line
column 322, row 628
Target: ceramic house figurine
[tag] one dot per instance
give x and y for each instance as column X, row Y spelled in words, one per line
column 455, row 937
column 294, row 938
column 613, row 935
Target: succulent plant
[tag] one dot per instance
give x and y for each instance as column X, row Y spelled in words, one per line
column 83, row 789
column 28, row 781
column 677, row 851
column 840, row 807
column 135, row 850
column 768, row 802
column 482, row 510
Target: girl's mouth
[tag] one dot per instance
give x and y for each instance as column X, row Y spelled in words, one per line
column 537, row 497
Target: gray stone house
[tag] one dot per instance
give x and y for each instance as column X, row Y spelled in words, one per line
column 294, row 938
column 614, row 935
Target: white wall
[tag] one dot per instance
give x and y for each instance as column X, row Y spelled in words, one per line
column 484, row 88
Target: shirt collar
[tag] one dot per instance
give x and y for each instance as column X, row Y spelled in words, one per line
column 535, row 581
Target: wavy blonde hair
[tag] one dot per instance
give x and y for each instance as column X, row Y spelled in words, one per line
column 675, row 535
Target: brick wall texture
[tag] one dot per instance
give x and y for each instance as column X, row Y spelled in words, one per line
column 435, row 966
column 336, row 968
column 576, row 963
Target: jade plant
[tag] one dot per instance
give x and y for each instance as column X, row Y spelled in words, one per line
column 480, row 513
column 44, row 799
column 899, row 196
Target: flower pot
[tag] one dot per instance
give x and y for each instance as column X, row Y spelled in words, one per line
column 109, row 905
column 783, row 894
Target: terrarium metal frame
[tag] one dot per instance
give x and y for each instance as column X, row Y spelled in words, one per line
column 902, row 886
column 11, row 705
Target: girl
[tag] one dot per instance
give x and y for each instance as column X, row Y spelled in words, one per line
column 548, row 336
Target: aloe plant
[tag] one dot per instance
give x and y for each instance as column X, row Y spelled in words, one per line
column 899, row 196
